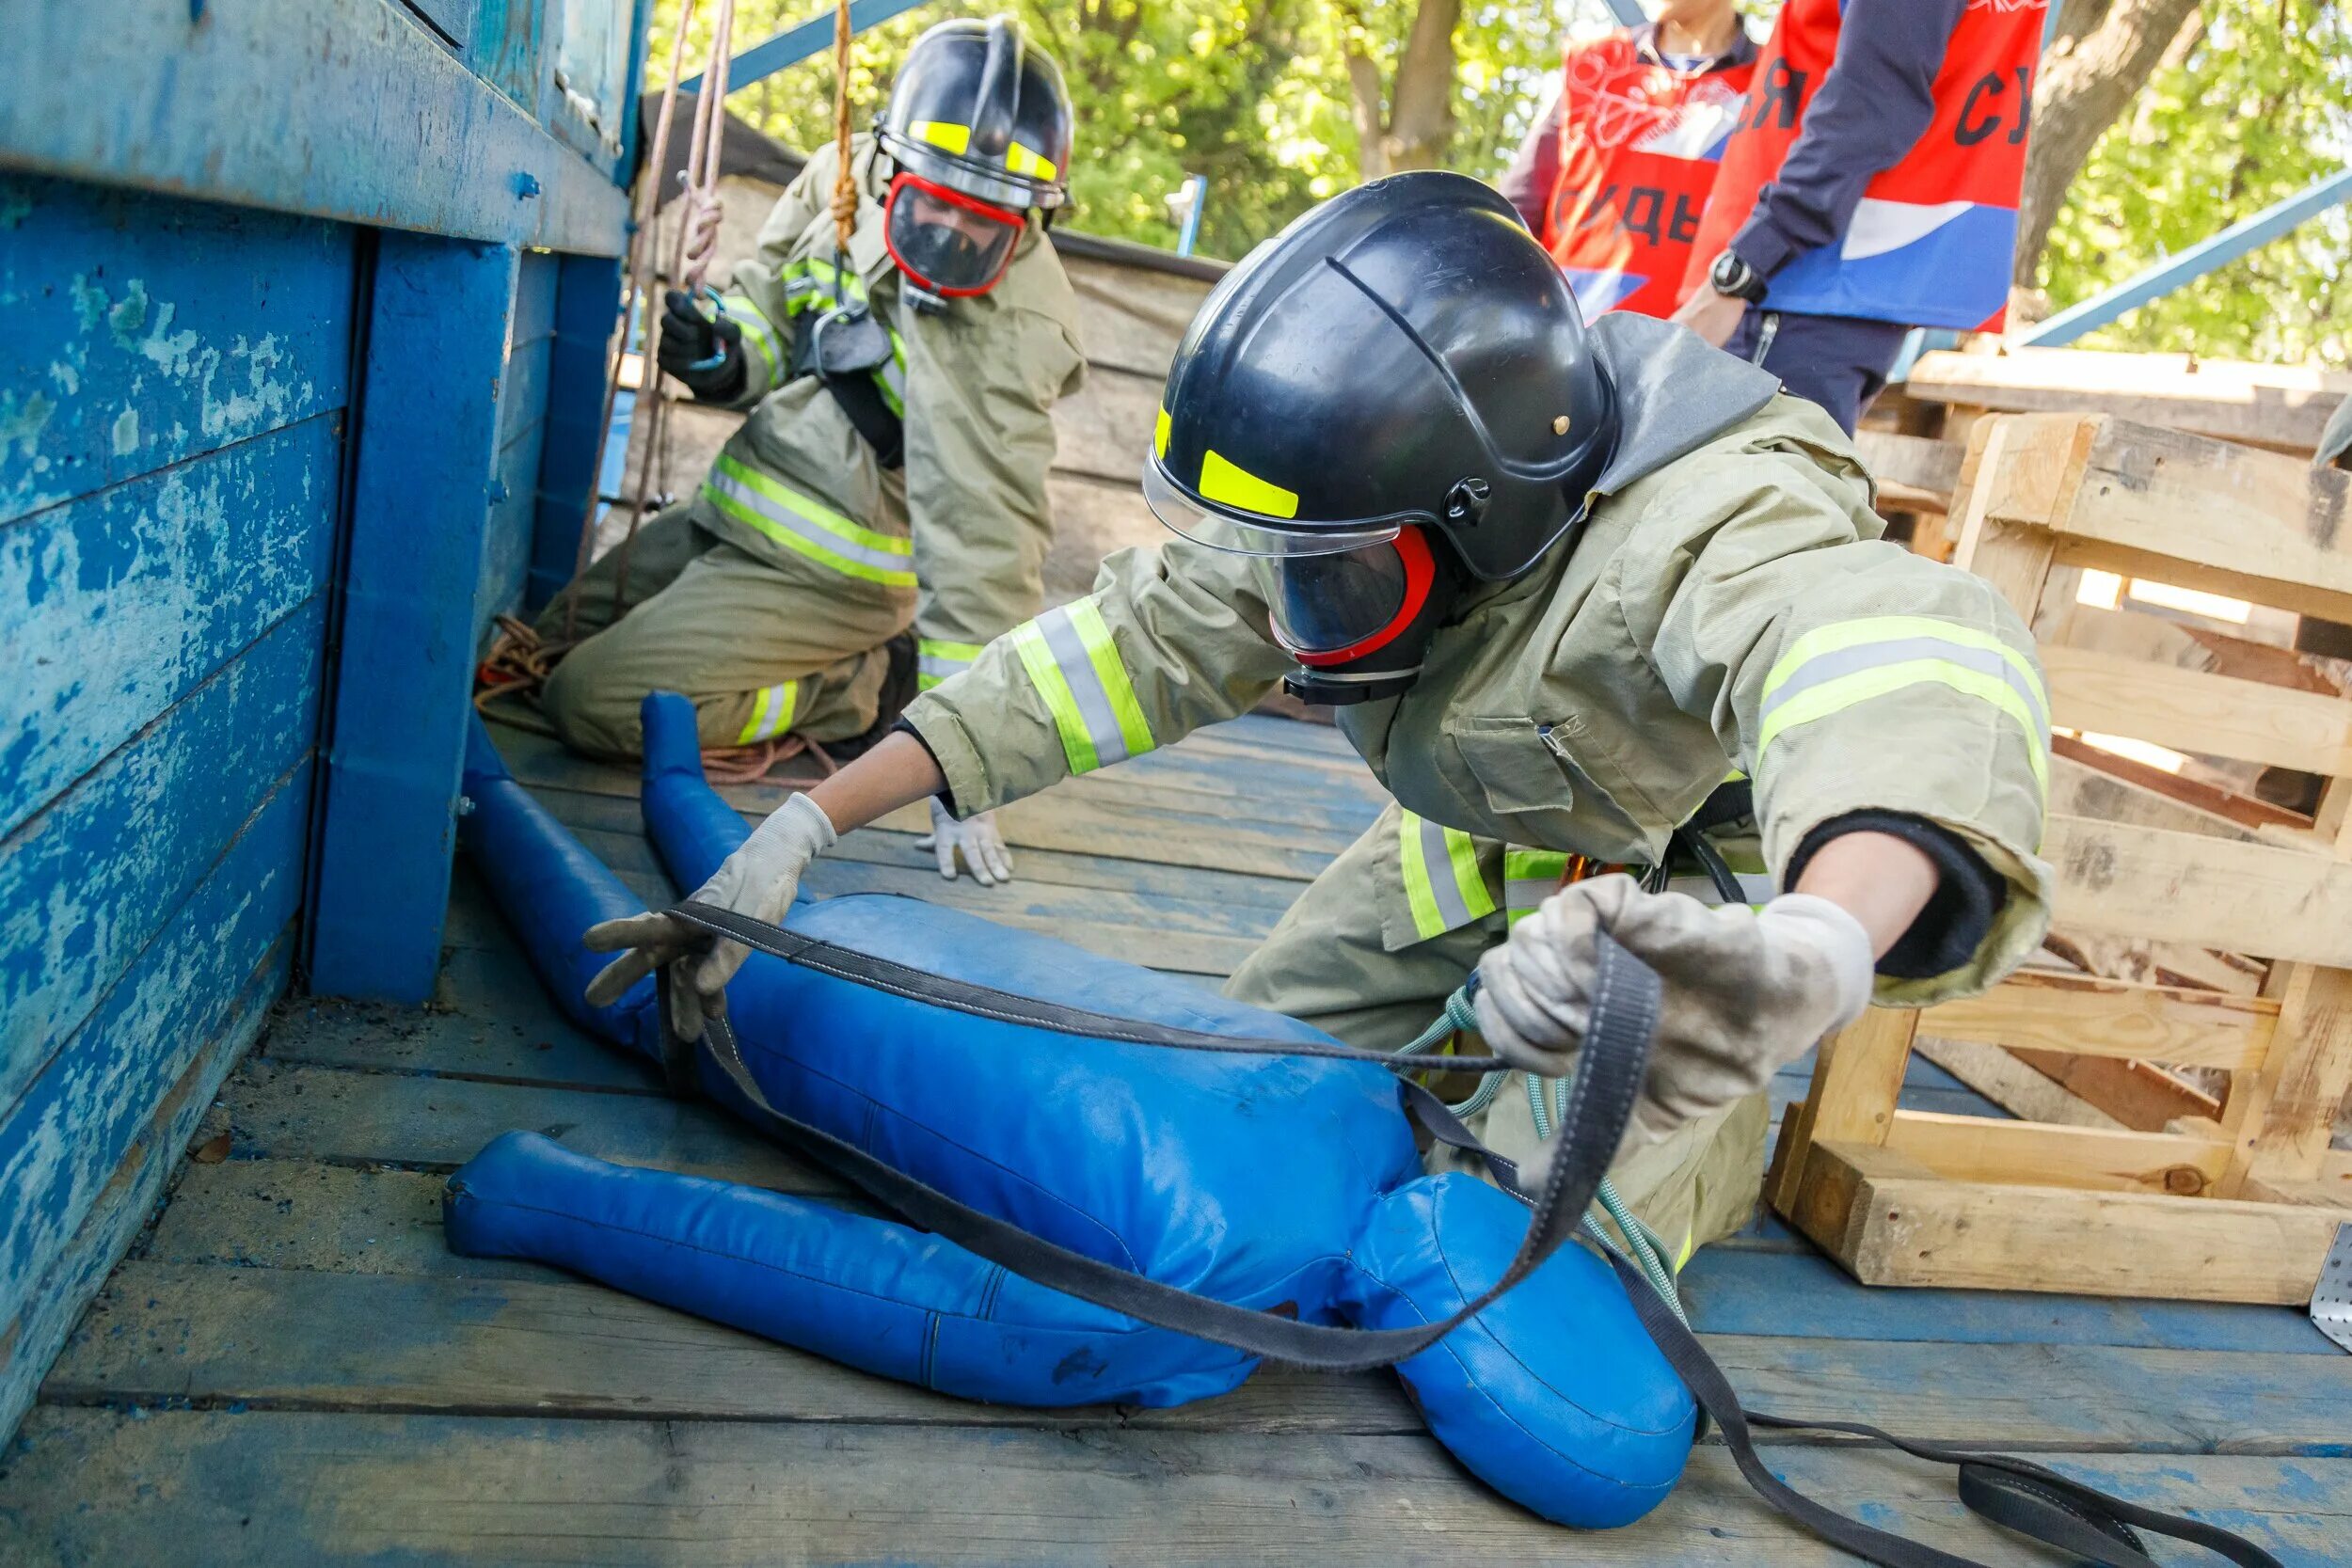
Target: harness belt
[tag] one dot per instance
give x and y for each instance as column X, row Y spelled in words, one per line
column 2020, row 1496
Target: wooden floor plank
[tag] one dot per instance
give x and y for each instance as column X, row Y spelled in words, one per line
column 273, row 1490
column 511, row 1346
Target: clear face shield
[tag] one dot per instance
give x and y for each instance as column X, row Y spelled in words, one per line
column 946, row 243
column 1336, row 592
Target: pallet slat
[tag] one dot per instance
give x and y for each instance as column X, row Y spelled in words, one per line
column 2086, row 1015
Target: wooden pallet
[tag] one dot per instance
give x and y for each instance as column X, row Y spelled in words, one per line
column 2239, row 1209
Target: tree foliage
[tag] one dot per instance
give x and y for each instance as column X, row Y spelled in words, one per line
column 1277, row 102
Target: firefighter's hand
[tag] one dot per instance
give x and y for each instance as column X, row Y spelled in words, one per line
column 1714, row 317
column 976, row 838
column 704, row 352
column 1745, row 991
column 759, row 879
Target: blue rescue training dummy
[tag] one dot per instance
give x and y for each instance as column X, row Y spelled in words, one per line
column 1279, row 1182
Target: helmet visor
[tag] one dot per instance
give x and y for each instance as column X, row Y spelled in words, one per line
column 1204, row 522
column 946, row 241
column 1324, row 604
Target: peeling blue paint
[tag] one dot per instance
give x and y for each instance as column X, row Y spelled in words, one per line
column 126, row 432
column 125, row 320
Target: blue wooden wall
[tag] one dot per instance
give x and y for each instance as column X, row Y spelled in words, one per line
column 291, row 405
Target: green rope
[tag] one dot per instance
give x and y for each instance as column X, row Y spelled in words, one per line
column 1644, row 1246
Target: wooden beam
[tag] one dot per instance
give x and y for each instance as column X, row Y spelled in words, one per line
column 2088, row 1016
column 2304, row 1081
column 2147, row 882
column 1856, row 1076
column 2276, row 405
column 2035, row 1154
column 1906, row 1226
column 2138, row 1094
column 2240, row 810
column 2190, row 710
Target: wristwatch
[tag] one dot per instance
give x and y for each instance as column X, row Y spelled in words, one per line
column 1731, row 275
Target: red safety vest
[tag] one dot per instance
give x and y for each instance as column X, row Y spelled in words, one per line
column 1931, row 241
column 1638, row 145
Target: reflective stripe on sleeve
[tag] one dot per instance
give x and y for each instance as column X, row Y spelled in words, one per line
column 807, row 525
column 1074, row 666
column 1442, row 886
column 757, row 330
column 1529, row 877
column 1835, row 667
column 772, row 712
column 936, row 659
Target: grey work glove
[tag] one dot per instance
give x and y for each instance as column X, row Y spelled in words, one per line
column 1745, row 991
column 759, row 879
column 984, row 852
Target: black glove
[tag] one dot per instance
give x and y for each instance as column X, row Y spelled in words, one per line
column 705, row 355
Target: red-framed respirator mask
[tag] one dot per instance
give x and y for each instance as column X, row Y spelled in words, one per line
column 947, row 244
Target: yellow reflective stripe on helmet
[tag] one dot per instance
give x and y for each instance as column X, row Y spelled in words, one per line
column 807, row 527
column 1073, row 663
column 936, row 659
column 1159, row 434
column 1442, row 885
column 946, row 136
column 1832, row 667
column 771, row 713
column 1243, row 491
column 1025, row 161
column 1529, row 877
column 757, row 328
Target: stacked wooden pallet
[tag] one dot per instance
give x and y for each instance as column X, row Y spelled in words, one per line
column 2240, row 1208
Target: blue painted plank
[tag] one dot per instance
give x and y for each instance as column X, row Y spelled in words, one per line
column 1734, row 1290
column 587, row 308
column 129, row 1198
column 797, row 44
column 437, row 353
column 64, row 1139
column 88, row 882
column 344, row 109
column 128, row 599
column 505, row 47
column 137, row 331
column 506, row 532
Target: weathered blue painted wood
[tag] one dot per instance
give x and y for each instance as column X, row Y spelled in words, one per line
column 125, row 600
column 587, row 306
column 55, row 1300
column 1731, row 1290
column 505, row 47
column 344, row 109
column 137, row 331
column 521, row 431
column 88, row 882
column 67, row 1136
column 437, row 351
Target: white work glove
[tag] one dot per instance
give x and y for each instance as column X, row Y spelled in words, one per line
column 984, row 852
column 1745, row 992
column 759, row 879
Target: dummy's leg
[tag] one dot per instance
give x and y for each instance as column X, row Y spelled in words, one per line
column 760, row 653
column 550, row 889
column 865, row 1293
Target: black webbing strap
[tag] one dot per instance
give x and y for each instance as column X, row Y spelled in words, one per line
column 2016, row 1494
column 1615, row 1057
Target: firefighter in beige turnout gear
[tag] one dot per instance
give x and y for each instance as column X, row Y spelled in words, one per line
column 769, row 595
column 1561, row 582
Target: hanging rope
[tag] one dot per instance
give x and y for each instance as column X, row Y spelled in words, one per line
column 844, row 187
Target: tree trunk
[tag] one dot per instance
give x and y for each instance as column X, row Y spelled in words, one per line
column 1411, row 125
column 2104, row 53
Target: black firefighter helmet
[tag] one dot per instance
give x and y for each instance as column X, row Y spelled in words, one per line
column 978, row 124
column 1393, row 397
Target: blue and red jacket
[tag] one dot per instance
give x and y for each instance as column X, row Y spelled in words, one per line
column 1875, row 170
column 1613, row 178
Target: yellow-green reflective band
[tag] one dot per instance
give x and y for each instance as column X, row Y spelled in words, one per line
column 1442, row 886
column 1886, row 640
column 1835, row 696
column 1025, row 161
column 942, row 134
column 1074, row 666
column 1243, row 491
column 809, row 528
column 1529, row 877
column 1689, row 1245
column 771, row 713
column 1159, row 434
column 936, row 659
column 756, row 326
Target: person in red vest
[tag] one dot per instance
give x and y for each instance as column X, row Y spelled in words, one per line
column 1613, row 175
column 1869, row 187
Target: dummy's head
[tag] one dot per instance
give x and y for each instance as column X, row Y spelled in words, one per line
column 1554, row 1396
column 978, row 126
column 1390, row 399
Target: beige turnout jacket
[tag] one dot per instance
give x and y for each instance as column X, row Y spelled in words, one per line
column 1731, row 608
column 961, row 531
